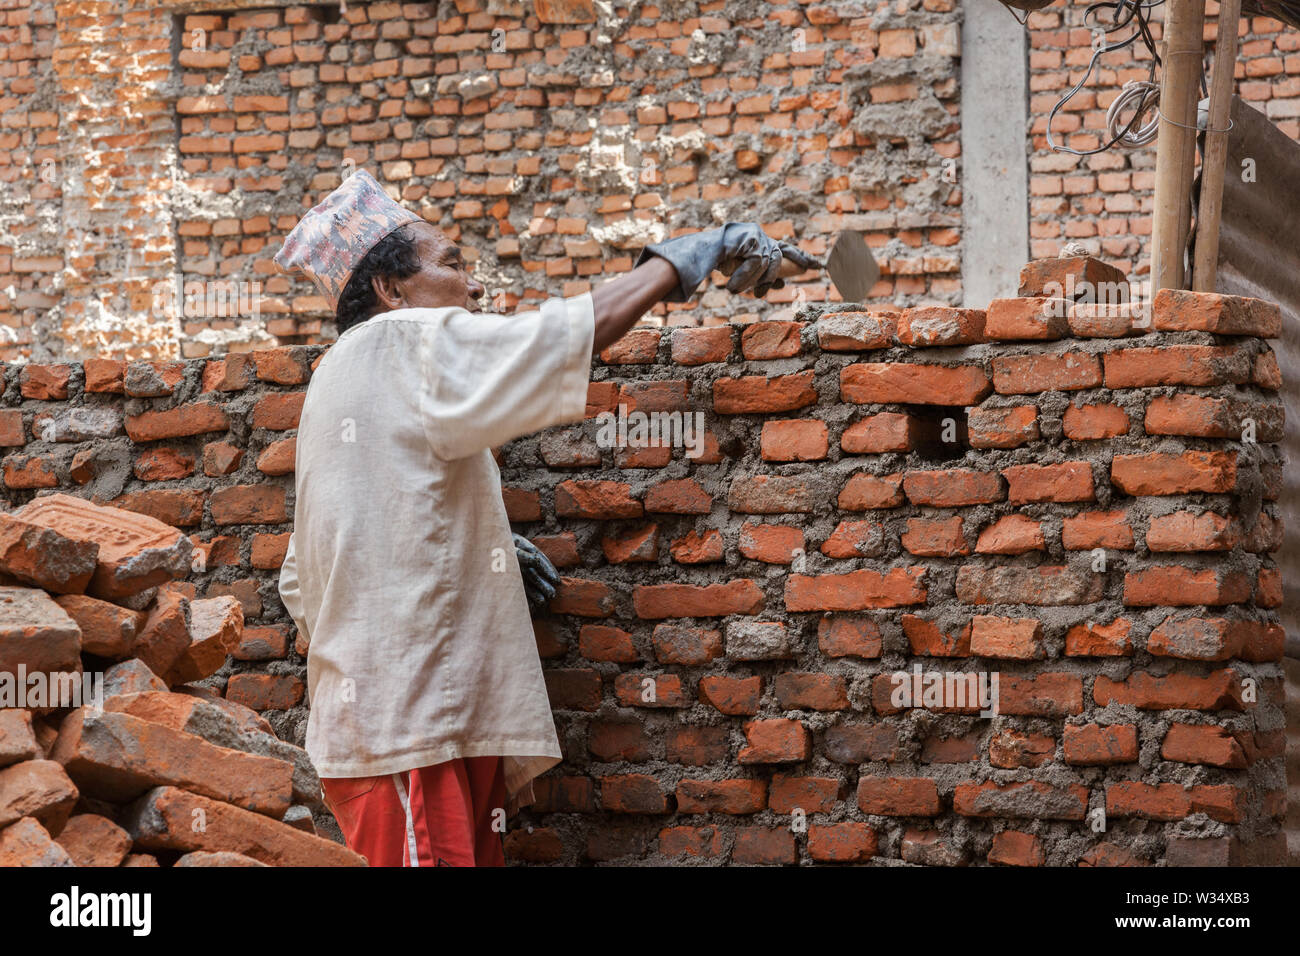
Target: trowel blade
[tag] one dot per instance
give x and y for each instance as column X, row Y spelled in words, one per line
column 852, row 267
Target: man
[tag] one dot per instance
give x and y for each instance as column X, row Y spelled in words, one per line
column 428, row 708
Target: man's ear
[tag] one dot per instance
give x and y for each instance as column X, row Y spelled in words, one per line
column 385, row 288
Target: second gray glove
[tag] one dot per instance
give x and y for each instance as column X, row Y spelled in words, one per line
column 755, row 255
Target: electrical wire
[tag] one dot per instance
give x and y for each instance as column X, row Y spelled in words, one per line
column 1126, row 13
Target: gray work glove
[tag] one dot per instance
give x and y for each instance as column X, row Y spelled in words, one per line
column 540, row 577
column 742, row 249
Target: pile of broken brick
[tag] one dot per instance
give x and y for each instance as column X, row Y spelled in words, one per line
column 110, row 754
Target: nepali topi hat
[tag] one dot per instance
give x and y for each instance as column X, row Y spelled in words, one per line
column 335, row 235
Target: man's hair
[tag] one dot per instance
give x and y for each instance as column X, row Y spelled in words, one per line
column 394, row 255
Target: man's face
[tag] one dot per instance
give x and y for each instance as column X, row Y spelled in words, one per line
column 442, row 280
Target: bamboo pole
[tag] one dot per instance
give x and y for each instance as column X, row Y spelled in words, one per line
column 1205, row 265
column 1176, row 145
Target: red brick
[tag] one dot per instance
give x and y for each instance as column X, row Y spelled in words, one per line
column 864, row 492
column 898, row 796
column 596, row 499
column 841, row 635
column 795, row 440
column 92, row 840
column 1097, row 529
column 760, row 393
column 38, row 789
column 1094, row 422
column 1026, row 374
column 163, row 819
column 44, row 382
column 657, row 601
column 118, row 757
column 701, row 346
column 1164, row 473
column 1002, row 427
column 1172, row 801
column 1012, row 534
column 734, row 696
column 736, row 797
column 938, row 325
column 1179, row 587
column 249, row 504
column 632, row 793
column 1178, row 310
column 775, row 741
column 682, row 496
column 184, row 420
column 1185, row 531
column 696, row 548
column 43, row 557
column 841, row 842
column 582, row 597
column 1100, row 640
column 935, row 537
column 770, row 340
column 1015, row 848
column 1100, row 745
column 854, row 539
column 855, row 590
column 797, row 691
column 265, row 691
column 952, row 488
column 1032, row 799
column 1039, row 318
column 1064, row 482
column 1176, row 365
column 1206, row 744
column 895, row 383
column 637, row 347
column 766, row 846
column 1070, row 275
column 1005, row 637
column 879, row 434
column 135, row 551
column 1219, row 690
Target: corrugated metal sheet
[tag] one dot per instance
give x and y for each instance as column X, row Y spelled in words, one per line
column 1259, row 255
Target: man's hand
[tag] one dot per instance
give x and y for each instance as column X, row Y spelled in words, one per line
column 540, row 577
column 741, row 249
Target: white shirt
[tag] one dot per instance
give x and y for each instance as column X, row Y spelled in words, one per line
column 401, row 571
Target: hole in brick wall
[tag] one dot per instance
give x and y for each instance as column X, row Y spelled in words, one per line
column 330, row 14
column 941, row 433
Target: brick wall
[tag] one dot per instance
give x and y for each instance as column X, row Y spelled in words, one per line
column 1004, row 492
column 1097, row 534
column 142, row 140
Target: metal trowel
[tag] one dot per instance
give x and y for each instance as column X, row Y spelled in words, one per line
column 851, row 266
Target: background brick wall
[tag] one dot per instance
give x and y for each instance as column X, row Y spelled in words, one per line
column 141, row 139
column 827, row 538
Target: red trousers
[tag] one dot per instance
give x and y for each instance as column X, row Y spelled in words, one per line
column 441, row 815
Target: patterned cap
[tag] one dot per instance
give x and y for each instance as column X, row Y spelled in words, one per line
column 335, row 235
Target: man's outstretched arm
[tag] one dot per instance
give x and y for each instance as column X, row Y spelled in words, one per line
column 674, row 269
column 619, row 303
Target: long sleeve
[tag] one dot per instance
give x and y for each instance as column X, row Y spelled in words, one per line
column 289, row 593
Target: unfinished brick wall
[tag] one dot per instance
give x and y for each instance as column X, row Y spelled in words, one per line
column 1094, row 530
column 1098, row 534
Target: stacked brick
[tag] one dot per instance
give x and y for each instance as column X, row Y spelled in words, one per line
column 1079, row 499
column 110, row 753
